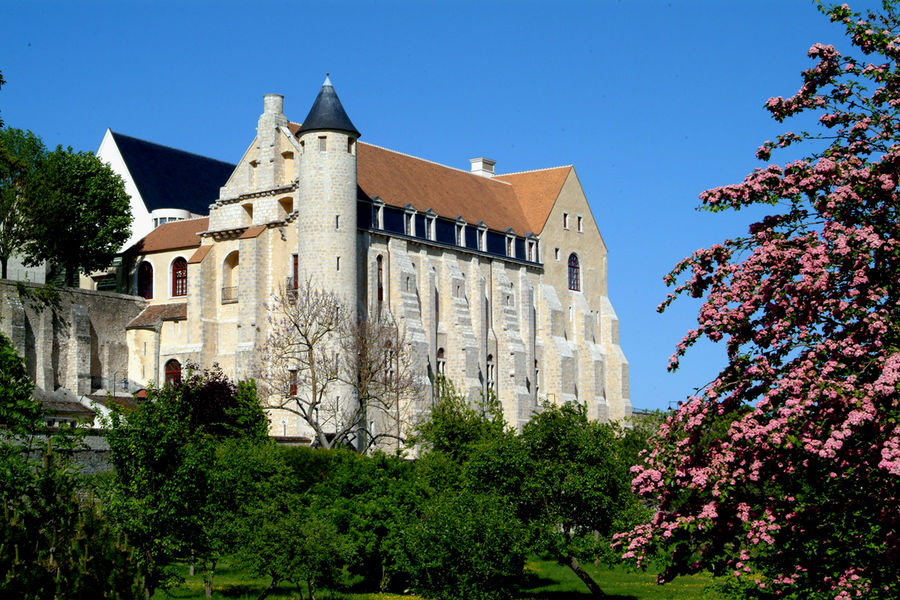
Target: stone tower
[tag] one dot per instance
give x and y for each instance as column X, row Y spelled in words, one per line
column 327, row 197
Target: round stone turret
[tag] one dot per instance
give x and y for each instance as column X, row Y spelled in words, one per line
column 327, row 114
column 326, row 234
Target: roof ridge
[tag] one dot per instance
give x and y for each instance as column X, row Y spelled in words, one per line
column 224, row 162
column 536, row 170
column 434, row 163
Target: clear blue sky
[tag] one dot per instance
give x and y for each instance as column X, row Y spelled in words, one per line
column 652, row 101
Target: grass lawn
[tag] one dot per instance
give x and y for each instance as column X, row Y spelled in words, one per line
column 545, row 580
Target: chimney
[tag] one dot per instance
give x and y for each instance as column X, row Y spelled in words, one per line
column 273, row 104
column 483, row 166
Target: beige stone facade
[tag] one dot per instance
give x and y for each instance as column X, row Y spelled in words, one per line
column 475, row 266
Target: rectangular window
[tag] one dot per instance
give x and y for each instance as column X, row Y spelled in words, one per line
column 351, row 143
column 337, row 263
column 337, row 221
column 510, row 247
column 295, row 272
column 482, row 240
column 580, row 223
column 460, row 235
column 410, row 224
column 292, row 382
column 556, row 254
column 323, row 143
column 565, row 220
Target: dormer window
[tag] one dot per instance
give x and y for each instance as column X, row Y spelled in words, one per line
column 430, row 220
column 461, row 233
column 410, row 223
column 378, row 210
column 532, row 250
column 482, row 236
column 510, row 242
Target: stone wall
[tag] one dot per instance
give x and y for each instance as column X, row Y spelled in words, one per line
column 71, row 338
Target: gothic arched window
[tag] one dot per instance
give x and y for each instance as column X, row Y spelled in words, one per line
column 574, row 273
column 179, row 277
column 173, row 372
column 490, row 371
column 145, row 280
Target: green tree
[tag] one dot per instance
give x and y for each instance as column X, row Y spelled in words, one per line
column 19, row 413
column 455, row 427
column 82, row 215
column 22, row 154
column 577, row 492
column 164, row 494
column 463, row 545
column 54, row 540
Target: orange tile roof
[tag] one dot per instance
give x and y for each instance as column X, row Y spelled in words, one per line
column 522, row 201
column 252, row 232
column 400, row 179
column 537, row 191
column 200, row 254
column 171, row 236
column 155, row 313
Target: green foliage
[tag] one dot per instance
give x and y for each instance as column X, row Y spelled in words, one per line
column 54, row 540
column 170, row 493
column 81, row 216
column 22, row 155
column 455, row 427
column 19, row 413
column 464, row 546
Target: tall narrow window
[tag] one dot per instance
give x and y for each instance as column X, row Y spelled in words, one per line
column 490, row 371
column 574, row 273
column 292, row 382
column 323, row 144
column 579, row 222
column 337, row 263
column 173, row 372
column 379, row 265
column 441, row 363
column 145, row 280
column 565, row 220
column 337, row 221
column 351, row 145
column 295, row 271
column 179, row 277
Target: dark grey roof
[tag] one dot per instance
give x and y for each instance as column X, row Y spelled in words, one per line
column 170, row 178
column 327, row 114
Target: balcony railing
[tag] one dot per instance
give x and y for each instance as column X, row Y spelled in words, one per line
column 229, row 294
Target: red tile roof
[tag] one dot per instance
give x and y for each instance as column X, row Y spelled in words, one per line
column 252, row 232
column 158, row 312
column 200, row 254
column 537, row 191
column 171, row 236
column 522, row 201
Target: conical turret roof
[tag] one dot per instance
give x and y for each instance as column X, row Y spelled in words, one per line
column 327, row 114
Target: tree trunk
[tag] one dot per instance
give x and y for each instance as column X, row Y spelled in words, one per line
column 269, row 590
column 572, row 563
column 312, row 589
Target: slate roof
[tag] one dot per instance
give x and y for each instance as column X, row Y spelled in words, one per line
column 327, row 113
column 155, row 313
column 171, row 178
column 171, row 236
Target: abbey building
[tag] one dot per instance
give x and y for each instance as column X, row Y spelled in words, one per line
column 499, row 280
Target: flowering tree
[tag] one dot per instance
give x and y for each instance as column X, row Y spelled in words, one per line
column 784, row 472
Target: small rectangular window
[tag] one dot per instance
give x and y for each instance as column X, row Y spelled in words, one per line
column 410, row 224
column 350, row 145
column 510, row 247
column 482, row 240
column 338, row 263
column 565, row 220
column 580, row 225
column 323, row 143
column 337, row 221
column 556, row 254
column 302, row 146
